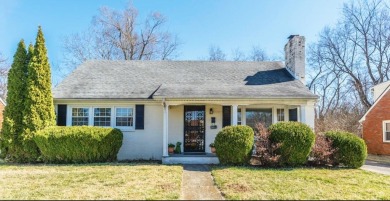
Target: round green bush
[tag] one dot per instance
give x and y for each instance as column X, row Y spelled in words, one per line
column 351, row 151
column 78, row 144
column 234, row 144
column 296, row 140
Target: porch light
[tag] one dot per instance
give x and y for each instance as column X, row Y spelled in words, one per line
column 211, row 111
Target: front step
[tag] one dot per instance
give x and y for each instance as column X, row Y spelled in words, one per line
column 190, row 159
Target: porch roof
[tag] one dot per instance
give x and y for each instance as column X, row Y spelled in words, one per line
column 180, row 79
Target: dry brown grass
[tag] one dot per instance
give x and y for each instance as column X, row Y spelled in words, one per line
column 95, row 181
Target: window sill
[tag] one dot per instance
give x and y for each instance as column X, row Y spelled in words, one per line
column 126, row 129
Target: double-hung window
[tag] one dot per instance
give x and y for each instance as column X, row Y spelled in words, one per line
column 124, row 117
column 239, row 121
column 80, row 116
column 280, row 114
column 102, row 116
column 386, row 131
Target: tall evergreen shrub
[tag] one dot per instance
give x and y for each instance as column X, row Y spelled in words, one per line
column 39, row 109
column 11, row 134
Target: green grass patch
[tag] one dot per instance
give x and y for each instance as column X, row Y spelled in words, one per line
column 241, row 183
column 94, row 181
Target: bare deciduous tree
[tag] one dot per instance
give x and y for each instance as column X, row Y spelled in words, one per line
column 216, row 54
column 347, row 61
column 356, row 52
column 238, row 55
column 117, row 35
column 4, row 68
column 257, row 54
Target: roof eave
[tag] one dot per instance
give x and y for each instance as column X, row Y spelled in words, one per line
column 236, row 98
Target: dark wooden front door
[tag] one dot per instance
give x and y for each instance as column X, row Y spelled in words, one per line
column 194, row 128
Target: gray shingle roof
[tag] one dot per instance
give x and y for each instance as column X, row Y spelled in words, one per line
column 180, row 79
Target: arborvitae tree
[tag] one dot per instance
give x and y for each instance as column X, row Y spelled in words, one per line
column 11, row 139
column 30, row 52
column 39, row 109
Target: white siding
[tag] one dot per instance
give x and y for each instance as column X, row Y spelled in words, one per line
column 147, row 143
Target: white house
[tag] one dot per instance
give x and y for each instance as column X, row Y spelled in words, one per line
column 159, row 102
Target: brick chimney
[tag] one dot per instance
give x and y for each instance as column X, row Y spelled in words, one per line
column 295, row 56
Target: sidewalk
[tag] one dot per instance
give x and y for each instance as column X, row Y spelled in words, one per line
column 378, row 167
column 198, row 184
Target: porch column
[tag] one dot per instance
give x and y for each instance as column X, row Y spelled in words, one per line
column 234, row 119
column 307, row 114
column 165, row 130
column 243, row 115
column 302, row 114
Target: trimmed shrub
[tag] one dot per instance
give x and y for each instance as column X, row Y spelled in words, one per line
column 78, row 144
column 296, row 140
column 234, row 144
column 351, row 151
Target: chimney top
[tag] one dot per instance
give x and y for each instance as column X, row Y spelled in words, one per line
column 292, row 36
column 295, row 56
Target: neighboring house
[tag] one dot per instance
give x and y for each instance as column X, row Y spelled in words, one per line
column 159, row 102
column 2, row 106
column 376, row 121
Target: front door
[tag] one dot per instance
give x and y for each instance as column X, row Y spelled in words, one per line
column 194, row 128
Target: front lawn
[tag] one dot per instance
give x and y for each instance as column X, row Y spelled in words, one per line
column 95, row 181
column 300, row 183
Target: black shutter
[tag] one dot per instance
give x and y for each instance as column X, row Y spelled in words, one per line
column 139, row 116
column 61, row 115
column 293, row 114
column 226, row 116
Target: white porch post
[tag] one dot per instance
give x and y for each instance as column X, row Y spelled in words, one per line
column 234, row 107
column 309, row 113
column 286, row 113
column 243, row 115
column 303, row 114
column 165, row 130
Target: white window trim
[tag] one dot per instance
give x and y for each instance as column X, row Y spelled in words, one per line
column 384, row 130
column 91, row 114
column 284, row 114
column 71, row 114
column 124, row 128
column 239, row 122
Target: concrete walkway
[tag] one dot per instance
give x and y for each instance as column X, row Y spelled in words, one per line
column 378, row 167
column 198, row 184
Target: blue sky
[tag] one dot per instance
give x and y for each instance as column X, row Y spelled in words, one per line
column 198, row 23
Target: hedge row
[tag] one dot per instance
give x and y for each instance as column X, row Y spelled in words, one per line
column 78, row 144
column 295, row 142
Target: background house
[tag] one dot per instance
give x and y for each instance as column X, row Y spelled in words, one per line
column 376, row 121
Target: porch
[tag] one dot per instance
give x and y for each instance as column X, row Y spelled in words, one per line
column 195, row 123
column 206, row 158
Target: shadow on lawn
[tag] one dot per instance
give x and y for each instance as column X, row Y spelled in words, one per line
column 117, row 163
